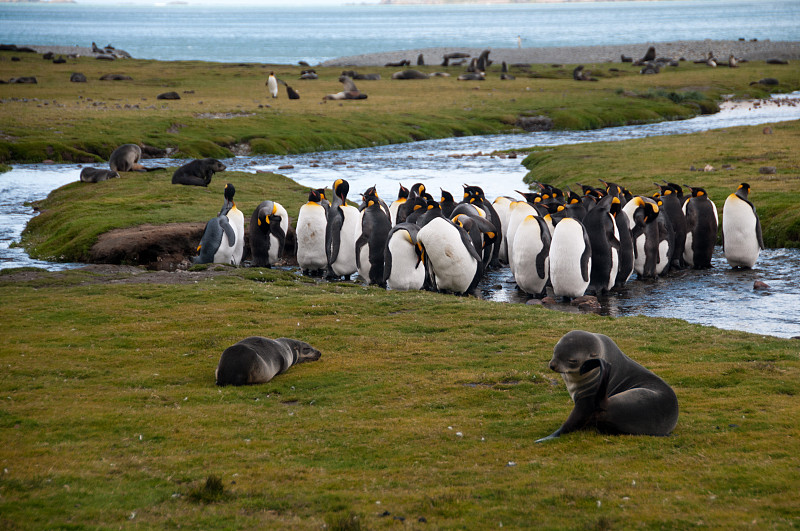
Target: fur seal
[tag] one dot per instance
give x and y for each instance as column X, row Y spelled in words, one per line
column 198, row 172
column 350, row 91
column 126, row 158
column 256, row 359
column 95, row 175
column 612, row 393
column 410, row 74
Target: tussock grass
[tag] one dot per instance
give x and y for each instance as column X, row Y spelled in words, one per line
column 736, row 154
column 422, row 406
column 226, row 105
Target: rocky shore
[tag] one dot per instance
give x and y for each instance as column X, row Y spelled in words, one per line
column 689, row 50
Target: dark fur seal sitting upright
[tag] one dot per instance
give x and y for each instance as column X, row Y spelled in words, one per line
column 258, row 359
column 612, row 393
column 198, row 172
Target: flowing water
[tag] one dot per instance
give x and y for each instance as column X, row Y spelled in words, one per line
column 720, row 296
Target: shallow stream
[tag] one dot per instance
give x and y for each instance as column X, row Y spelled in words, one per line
column 720, row 296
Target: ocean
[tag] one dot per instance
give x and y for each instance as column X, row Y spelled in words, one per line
column 286, row 35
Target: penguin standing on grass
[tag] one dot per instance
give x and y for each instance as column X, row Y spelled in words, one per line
column 272, row 85
column 570, row 259
column 223, row 238
column 371, row 242
column 340, row 241
column 268, row 226
column 741, row 229
column 403, row 266
column 312, row 223
column 531, row 256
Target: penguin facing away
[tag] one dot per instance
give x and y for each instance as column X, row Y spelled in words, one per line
column 312, row 223
column 451, row 260
column 223, row 238
column 701, row 228
column 371, row 242
column 742, row 240
column 570, row 259
column 340, row 232
column 404, row 268
column 268, row 226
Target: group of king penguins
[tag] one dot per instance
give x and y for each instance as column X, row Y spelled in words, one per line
column 576, row 244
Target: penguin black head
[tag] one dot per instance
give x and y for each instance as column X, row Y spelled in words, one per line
column 530, row 197
column 371, row 197
column 573, row 198
column 696, row 192
column 341, row 189
column 616, row 206
column 446, row 196
column 229, row 192
column 676, row 188
column 402, row 193
column 371, row 191
column 417, row 189
column 743, row 190
column 473, row 193
column 315, row 196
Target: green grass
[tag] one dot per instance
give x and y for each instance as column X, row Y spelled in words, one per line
column 84, row 122
column 110, row 416
column 735, row 153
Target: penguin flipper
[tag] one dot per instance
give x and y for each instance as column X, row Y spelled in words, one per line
column 360, row 242
column 333, row 234
column 227, row 229
column 586, row 256
column 758, row 231
column 209, row 242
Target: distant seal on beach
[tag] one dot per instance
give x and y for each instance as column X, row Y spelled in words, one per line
column 410, row 74
column 77, row 77
column 257, row 359
column 95, row 175
column 612, row 393
column 350, row 91
column 126, row 158
column 197, row 172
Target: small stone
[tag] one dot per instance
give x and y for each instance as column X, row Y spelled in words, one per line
column 760, row 285
column 286, row 167
column 767, row 130
column 768, row 170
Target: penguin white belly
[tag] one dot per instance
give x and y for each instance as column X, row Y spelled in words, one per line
column 612, row 277
column 739, row 233
column 663, row 257
column 345, row 264
column 393, row 210
column 408, row 272
column 688, row 253
column 236, row 219
column 501, row 206
column 518, row 211
column 311, row 223
column 640, row 255
column 527, row 246
column 566, row 251
column 363, row 260
column 452, row 264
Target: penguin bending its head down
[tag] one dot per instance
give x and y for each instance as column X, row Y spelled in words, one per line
column 604, row 237
column 701, row 229
column 452, row 262
column 741, row 229
column 403, row 259
column 223, row 238
column 268, row 226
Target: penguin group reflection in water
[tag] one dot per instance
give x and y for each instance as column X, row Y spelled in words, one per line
column 570, row 243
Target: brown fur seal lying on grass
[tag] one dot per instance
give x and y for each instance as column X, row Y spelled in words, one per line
column 198, row 172
column 258, row 359
column 612, row 393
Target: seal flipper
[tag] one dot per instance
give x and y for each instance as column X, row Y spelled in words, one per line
column 586, row 408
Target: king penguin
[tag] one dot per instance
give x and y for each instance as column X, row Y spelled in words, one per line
column 403, row 265
column 268, row 226
column 646, row 240
column 312, row 223
column 451, row 260
column 701, row 228
column 741, row 229
column 272, row 85
column 402, row 197
column 340, row 235
column 570, row 259
column 531, row 256
column 223, row 238
column 603, row 233
column 371, row 242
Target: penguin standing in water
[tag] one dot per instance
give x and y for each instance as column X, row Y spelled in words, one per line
column 502, row 206
column 312, row 223
column 531, row 256
column 371, row 242
column 474, row 196
column 450, row 257
column 701, row 229
column 570, row 259
column 340, row 236
column 604, row 240
column 403, row 265
column 741, row 229
column 672, row 208
column 646, row 240
column 517, row 212
column 268, row 226
column 223, row 238
column 272, row 85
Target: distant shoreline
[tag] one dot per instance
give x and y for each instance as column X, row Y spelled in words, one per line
column 689, row 50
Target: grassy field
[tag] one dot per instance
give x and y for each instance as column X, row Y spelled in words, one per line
column 421, row 413
column 737, row 154
column 225, row 107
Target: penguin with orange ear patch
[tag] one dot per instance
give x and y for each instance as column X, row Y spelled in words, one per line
column 268, row 226
column 701, row 228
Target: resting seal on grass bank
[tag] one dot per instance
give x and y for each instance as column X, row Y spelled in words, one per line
column 198, row 172
column 95, row 175
column 258, row 359
column 612, row 393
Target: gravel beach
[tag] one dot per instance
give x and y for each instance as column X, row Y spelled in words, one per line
column 689, row 50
